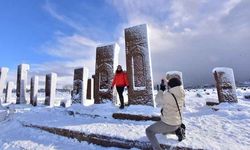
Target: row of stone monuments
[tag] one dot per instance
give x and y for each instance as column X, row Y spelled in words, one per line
column 97, row 88
column 21, row 86
column 83, row 87
column 139, row 70
column 224, row 79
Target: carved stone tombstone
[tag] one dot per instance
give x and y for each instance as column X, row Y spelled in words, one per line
column 93, row 77
column 175, row 74
column 225, row 84
column 9, row 88
column 106, row 62
column 90, row 89
column 80, row 85
column 3, row 76
column 34, row 83
column 22, row 75
column 50, row 89
column 139, row 68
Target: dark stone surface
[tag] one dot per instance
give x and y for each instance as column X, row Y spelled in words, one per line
column 225, row 88
column 106, row 61
column 102, row 140
column 138, row 65
column 123, row 116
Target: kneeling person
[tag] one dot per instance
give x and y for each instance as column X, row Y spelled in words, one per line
column 171, row 118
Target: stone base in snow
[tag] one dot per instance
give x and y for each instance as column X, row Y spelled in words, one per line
column 247, row 96
column 124, row 116
column 211, row 103
column 102, row 140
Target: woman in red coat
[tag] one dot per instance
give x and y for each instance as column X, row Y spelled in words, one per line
column 120, row 81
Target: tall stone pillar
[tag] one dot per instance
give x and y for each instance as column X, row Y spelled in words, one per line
column 3, row 76
column 139, row 68
column 80, row 85
column 34, row 83
column 90, row 89
column 9, row 88
column 50, row 89
column 93, row 77
column 175, row 74
column 106, row 63
column 22, row 75
column 225, row 84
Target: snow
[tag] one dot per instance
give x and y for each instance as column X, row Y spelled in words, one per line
column 103, row 90
column 139, row 88
column 3, row 114
column 227, row 128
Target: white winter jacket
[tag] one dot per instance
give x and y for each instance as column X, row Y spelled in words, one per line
column 170, row 114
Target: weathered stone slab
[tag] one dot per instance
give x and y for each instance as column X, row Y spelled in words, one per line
column 79, row 94
column 22, row 75
column 50, row 89
column 139, row 70
column 3, row 76
column 90, row 89
column 103, row 140
column 134, row 117
column 9, row 88
column 34, row 83
column 106, row 62
column 225, row 84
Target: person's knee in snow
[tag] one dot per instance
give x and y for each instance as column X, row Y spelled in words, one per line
column 149, row 131
column 171, row 102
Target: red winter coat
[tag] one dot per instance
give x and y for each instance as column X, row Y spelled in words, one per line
column 120, row 79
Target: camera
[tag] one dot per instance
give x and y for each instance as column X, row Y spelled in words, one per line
column 180, row 132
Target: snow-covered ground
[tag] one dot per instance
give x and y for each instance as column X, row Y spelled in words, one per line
column 227, row 128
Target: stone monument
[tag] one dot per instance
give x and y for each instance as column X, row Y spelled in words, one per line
column 3, row 76
column 106, row 63
column 90, row 89
column 9, row 88
column 50, row 89
column 139, row 70
column 225, row 84
column 79, row 93
column 22, row 75
column 34, row 83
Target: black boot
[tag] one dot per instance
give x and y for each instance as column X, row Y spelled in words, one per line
column 122, row 103
column 121, row 107
column 180, row 133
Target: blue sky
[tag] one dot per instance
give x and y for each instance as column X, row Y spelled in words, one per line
column 28, row 25
column 187, row 35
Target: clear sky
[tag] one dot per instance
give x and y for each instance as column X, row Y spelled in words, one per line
column 186, row 35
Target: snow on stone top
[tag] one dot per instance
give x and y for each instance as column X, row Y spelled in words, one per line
column 223, row 69
column 26, row 66
column 229, row 74
column 5, row 69
column 174, row 72
column 137, row 31
column 137, row 27
column 108, row 44
column 52, row 74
